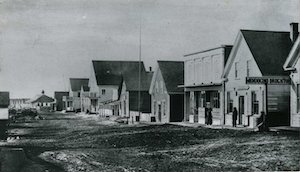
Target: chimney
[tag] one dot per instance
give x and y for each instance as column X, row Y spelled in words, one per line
column 294, row 31
column 150, row 69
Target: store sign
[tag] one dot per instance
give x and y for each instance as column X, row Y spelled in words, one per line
column 268, row 80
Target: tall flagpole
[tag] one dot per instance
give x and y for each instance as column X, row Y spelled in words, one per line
column 140, row 57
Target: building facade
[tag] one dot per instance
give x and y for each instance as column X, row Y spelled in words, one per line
column 257, row 54
column 203, row 85
column 167, row 98
column 292, row 65
column 73, row 102
column 58, row 96
column 19, row 103
column 106, row 81
column 135, row 100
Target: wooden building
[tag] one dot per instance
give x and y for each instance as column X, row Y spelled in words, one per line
column 167, row 98
column 4, row 103
column 73, row 100
column 19, row 103
column 256, row 58
column 58, row 95
column 203, row 84
column 292, row 65
column 133, row 106
column 106, row 84
column 43, row 102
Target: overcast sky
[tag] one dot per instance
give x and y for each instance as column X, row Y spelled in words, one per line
column 44, row 42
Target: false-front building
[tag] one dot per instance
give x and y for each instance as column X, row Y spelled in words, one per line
column 203, row 84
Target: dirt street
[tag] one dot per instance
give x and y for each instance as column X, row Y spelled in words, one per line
column 69, row 142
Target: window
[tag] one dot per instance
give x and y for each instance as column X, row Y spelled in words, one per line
column 78, row 94
column 298, row 97
column 162, row 86
column 124, row 107
column 254, row 103
column 216, row 99
column 156, row 87
column 229, row 103
column 248, row 67
column 236, row 64
column 202, row 99
column 103, row 91
column 165, row 108
column 154, row 107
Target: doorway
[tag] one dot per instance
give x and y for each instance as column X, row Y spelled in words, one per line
column 159, row 112
column 241, row 109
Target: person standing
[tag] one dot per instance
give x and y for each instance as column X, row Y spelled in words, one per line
column 209, row 114
column 234, row 116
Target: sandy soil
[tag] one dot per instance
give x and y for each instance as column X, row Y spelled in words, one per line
column 90, row 143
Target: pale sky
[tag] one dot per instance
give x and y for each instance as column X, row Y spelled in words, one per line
column 45, row 42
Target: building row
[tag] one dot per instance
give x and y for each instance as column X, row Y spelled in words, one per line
column 257, row 74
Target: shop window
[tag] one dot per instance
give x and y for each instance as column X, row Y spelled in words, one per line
column 216, row 99
column 298, row 97
column 202, row 99
column 254, row 103
column 229, row 103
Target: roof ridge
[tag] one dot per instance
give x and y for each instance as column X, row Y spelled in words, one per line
column 169, row 61
column 116, row 61
column 271, row 31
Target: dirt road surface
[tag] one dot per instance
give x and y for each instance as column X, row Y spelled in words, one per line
column 70, row 142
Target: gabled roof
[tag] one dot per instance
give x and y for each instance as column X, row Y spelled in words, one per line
column 173, row 75
column 85, row 88
column 4, row 99
column 77, row 83
column 293, row 56
column 113, row 72
column 132, row 81
column 60, row 94
column 42, row 98
column 269, row 49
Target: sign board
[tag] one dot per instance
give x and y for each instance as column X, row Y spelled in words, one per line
column 280, row 80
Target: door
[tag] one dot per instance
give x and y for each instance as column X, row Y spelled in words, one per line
column 159, row 112
column 241, row 109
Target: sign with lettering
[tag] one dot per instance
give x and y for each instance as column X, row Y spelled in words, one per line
column 280, row 80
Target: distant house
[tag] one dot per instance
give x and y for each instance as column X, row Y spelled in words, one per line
column 73, row 101
column 203, row 84
column 259, row 54
column 58, row 95
column 292, row 64
column 19, row 103
column 43, row 102
column 135, row 97
column 4, row 103
column 106, row 83
column 167, row 97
